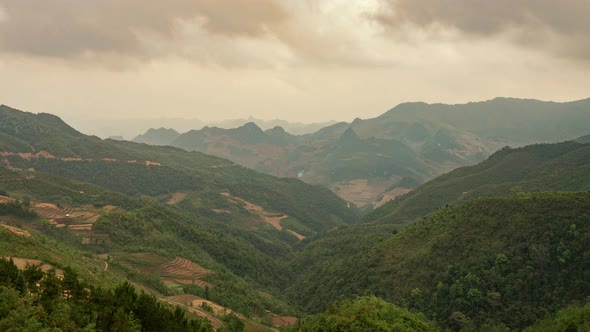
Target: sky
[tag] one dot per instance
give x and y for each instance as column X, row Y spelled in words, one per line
column 298, row 60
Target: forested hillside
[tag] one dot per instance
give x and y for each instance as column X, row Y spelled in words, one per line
column 490, row 263
column 534, row 168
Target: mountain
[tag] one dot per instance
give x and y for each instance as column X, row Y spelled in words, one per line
column 365, row 161
column 534, row 168
column 158, row 211
column 128, row 127
column 45, row 143
column 495, row 246
column 161, row 136
column 491, row 263
column 295, row 128
column 583, row 139
column 515, row 203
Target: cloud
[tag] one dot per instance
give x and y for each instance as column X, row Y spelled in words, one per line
column 231, row 33
column 561, row 26
column 72, row 28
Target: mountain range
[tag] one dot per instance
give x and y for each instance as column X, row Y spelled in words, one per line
column 502, row 244
column 372, row 161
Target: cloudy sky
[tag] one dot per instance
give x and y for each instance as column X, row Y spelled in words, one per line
column 299, row 60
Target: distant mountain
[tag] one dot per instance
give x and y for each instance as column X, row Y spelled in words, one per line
column 366, row 160
column 534, row 168
column 294, row 128
column 161, row 136
column 583, row 139
column 128, row 127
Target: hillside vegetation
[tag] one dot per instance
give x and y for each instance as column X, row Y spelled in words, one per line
column 490, row 262
column 534, row 168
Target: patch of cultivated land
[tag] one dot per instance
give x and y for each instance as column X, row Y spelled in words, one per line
column 177, row 271
column 16, row 230
column 78, row 221
column 184, row 272
column 176, row 198
column 272, row 218
column 390, row 196
column 297, row 235
column 187, row 301
column 282, row 321
column 22, row 263
column 5, row 199
column 361, row 192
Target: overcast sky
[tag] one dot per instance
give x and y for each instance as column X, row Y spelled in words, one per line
column 299, row 60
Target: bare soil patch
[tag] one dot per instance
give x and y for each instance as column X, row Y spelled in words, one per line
column 281, row 321
column 272, row 218
column 361, row 192
column 297, row 235
column 16, row 230
column 174, row 300
column 176, row 198
column 184, row 272
column 390, row 196
column 5, row 199
column 22, row 263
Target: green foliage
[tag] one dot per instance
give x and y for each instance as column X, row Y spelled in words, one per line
column 535, row 168
column 572, row 318
column 69, row 304
column 366, row 314
column 17, row 209
column 492, row 262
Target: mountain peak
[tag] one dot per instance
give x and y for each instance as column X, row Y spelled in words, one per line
column 349, row 136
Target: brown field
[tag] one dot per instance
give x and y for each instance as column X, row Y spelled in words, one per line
column 297, row 235
column 184, row 272
column 176, row 198
column 272, row 218
column 178, row 271
column 281, row 321
column 186, row 301
column 22, row 263
column 17, row 231
column 4, row 199
column 49, row 211
column 78, row 221
column 361, row 192
column 390, row 196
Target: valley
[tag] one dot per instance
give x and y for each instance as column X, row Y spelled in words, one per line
column 360, row 160
column 236, row 249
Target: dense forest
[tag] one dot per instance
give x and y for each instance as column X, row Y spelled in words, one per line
column 33, row 300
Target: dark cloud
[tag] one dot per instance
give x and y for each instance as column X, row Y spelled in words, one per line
column 70, row 28
column 567, row 21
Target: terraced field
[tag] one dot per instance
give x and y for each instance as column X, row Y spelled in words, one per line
column 179, row 271
column 78, row 221
column 184, row 272
column 5, row 199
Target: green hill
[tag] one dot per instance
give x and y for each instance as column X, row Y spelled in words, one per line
column 535, row 168
column 489, row 263
column 161, row 136
column 139, row 169
column 583, row 139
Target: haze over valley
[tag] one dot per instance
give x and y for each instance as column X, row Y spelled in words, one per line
column 284, row 165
